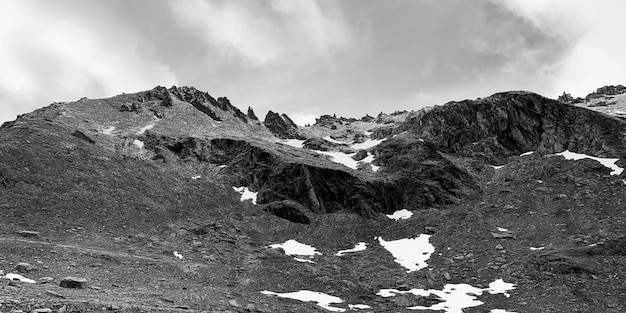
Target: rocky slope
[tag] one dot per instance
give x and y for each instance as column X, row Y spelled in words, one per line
column 135, row 194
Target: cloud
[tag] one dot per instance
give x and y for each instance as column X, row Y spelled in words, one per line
column 592, row 31
column 61, row 52
column 266, row 33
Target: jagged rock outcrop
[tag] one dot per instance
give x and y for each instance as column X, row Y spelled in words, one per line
column 610, row 90
column 320, row 144
column 507, row 124
column 282, row 126
column 251, row 114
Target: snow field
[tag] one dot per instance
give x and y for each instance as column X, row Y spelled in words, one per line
column 246, row 194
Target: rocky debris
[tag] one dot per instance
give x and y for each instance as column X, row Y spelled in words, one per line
column 73, row 282
column 24, row 267
column 360, row 155
column 367, row 118
column 430, row 230
column 499, row 247
column 198, row 99
column 158, row 94
column 28, row 234
column 130, row 107
column 78, row 134
column 289, row 210
column 282, row 126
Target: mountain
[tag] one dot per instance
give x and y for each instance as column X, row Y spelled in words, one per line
column 172, row 200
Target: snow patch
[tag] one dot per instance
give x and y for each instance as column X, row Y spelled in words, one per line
column 108, row 131
column 527, row 153
column 293, row 142
column 18, row 277
column 329, row 139
column 456, row 297
column 358, row 247
column 608, row 162
column 497, row 167
column 298, row 250
column 323, row 300
column 367, row 144
column 500, row 311
column 359, row 306
column 246, row 194
column 502, row 229
column 400, row 215
column 143, row 129
column 178, row 255
column 195, row 177
column 222, row 166
column 411, row 253
column 138, row 143
column 537, row 248
column 341, row 158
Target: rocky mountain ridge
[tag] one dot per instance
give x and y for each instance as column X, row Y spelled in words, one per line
column 156, row 178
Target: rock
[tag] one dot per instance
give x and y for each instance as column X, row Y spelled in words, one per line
column 447, row 276
column 289, row 210
column 499, row 247
column 78, row 134
column 73, row 282
column 250, row 307
column 282, row 126
column 113, row 307
column 28, row 234
column 1, row 273
column 251, row 114
column 46, row 280
column 234, row 303
column 320, row 144
column 54, row 294
column 130, row 107
column 430, row 230
column 24, row 267
column 503, row 235
column 360, row 155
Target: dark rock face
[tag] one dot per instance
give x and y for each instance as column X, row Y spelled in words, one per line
column 289, row 210
column 360, row 155
column 511, row 123
column 73, row 282
column 130, row 107
column 282, row 126
column 78, row 134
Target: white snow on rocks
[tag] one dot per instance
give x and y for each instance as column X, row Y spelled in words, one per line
column 359, row 306
column 138, row 143
column 502, row 229
column 143, row 129
column 500, row 311
column 527, row 153
column 323, row 300
column 246, row 194
column 537, row 248
column 456, row 297
column 608, row 162
column 18, row 277
column 195, row 177
column 178, row 255
column 497, row 167
column 358, row 247
column 400, row 215
column 411, row 253
column 301, row 251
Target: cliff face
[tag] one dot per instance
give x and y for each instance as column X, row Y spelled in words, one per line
column 282, row 126
column 511, row 123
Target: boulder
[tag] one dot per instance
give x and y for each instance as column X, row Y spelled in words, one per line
column 24, row 267
column 282, row 126
column 73, row 282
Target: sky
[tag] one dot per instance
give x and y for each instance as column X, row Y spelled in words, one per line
column 306, row 58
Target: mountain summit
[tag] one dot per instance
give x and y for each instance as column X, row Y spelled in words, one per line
column 170, row 199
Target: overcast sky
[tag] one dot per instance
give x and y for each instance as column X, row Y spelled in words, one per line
column 307, row 57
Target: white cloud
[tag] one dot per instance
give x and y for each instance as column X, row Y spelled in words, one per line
column 281, row 33
column 593, row 31
column 302, row 119
column 51, row 53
